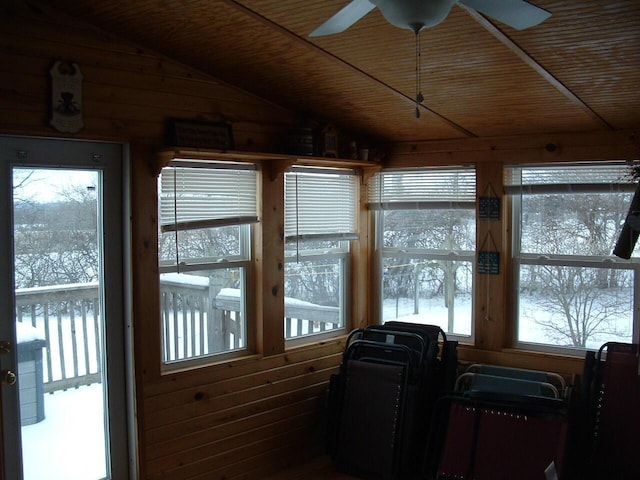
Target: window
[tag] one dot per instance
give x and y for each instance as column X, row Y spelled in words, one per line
column 426, row 242
column 206, row 211
column 570, row 291
column 320, row 220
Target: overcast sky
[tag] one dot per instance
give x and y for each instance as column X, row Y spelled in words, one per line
column 47, row 185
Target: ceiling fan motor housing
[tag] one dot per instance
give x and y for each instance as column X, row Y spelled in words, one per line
column 414, row 14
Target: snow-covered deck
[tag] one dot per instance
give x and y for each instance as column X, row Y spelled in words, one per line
column 69, row 443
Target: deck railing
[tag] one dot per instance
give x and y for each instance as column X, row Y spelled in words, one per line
column 200, row 320
column 196, row 320
column 68, row 318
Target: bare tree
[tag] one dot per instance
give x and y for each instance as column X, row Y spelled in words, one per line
column 577, row 308
column 56, row 243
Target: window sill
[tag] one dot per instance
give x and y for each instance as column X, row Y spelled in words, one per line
column 337, row 339
column 212, row 363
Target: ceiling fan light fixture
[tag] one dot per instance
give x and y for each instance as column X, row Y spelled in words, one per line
column 414, row 14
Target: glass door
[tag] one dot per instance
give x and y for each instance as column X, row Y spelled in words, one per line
column 63, row 408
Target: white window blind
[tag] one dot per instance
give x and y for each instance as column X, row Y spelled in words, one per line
column 422, row 188
column 320, row 203
column 568, row 178
column 205, row 194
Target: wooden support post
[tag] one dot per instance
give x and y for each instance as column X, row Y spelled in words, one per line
column 490, row 315
column 269, row 263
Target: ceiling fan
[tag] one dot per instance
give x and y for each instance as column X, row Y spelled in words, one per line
column 416, row 15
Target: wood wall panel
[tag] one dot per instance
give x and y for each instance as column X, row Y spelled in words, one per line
column 244, row 418
column 128, row 92
column 243, row 366
column 239, row 420
column 251, row 416
column 203, row 400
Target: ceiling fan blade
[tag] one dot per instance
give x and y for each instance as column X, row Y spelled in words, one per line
column 518, row 14
column 346, row 17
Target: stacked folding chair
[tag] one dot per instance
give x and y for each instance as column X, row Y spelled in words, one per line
column 380, row 402
column 612, row 389
column 501, row 424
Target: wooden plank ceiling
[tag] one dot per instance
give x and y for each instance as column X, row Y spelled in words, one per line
column 578, row 71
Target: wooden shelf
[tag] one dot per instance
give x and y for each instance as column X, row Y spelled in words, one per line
column 282, row 159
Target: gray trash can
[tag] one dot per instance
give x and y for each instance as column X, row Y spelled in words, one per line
column 30, row 381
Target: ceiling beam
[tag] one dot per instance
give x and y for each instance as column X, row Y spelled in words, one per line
column 529, row 60
column 602, row 145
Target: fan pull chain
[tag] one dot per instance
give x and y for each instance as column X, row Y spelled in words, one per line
column 419, row 96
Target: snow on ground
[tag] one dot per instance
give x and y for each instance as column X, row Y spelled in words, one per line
column 69, row 443
column 27, row 333
column 433, row 312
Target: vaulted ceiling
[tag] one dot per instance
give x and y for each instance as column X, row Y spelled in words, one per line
column 578, row 71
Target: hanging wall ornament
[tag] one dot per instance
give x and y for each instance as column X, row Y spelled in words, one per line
column 66, row 97
column 489, row 205
column 489, row 257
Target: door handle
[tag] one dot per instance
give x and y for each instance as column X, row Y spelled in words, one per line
column 7, row 377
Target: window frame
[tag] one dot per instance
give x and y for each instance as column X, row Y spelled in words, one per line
column 378, row 208
column 342, row 253
column 518, row 259
column 243, row 261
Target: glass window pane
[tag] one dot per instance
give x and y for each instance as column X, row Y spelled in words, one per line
column 207, row 192
column 61, row 323
column 420, row 282
column 436, row 229
column 213, row 244
column 575, row 307
column 313, row 296
column 320, row 202
column 293, row 248
column 434, row 292
column 202, row 313
column 582, row 224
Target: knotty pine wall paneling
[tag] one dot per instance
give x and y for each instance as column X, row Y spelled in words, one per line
column 240, row 419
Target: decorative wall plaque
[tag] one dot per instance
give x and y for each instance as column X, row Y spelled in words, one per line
column 489, row 262
column 489, row 257
column 198, row 134
column 66, row 97
column 489, row 205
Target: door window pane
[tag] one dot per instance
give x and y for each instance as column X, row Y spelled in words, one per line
column 60, row 326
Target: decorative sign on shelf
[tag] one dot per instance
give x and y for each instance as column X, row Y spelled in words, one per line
column 489, row 205
column 489, row 259
column 198, row 134
column 66, row 97
column 330, row 141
